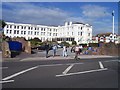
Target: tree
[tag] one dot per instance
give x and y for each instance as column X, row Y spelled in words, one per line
column 35, row 42
column 2, row 24
column 74, row 42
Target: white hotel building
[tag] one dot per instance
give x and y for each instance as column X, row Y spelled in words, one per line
column 79, row 32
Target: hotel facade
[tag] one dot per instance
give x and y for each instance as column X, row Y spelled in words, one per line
column 71, row 31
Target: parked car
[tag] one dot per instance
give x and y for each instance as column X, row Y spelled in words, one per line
column 42, row 47
column 59, row 46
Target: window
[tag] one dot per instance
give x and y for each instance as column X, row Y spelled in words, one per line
column 67, row 39
column 81, row 28
column 41, row 29
column 10, row 31
column 10, row 26
column 41, row 33
column 7, row 31
column 24, row 27
column 14, row 31
column 7, row 26
column 44, row 29
column 21, row 32
column 50, row 34
column 17, row 27
column 17, row 32
column 24, row 32
column 28, row 32
column 29, row 28
column 72, row 33
column 44, row 33
column 21, row 27
column 88, row 34
column 35, row 33
column 81, row 33
column 35, row 28
column 31, row 32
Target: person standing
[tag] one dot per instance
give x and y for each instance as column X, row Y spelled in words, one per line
column 46, row 49
column 77, row 50
column 54, row 50
column 64, row 51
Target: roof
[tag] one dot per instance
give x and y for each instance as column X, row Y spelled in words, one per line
column 102, row 34
column 77, row 23
column 82, row 23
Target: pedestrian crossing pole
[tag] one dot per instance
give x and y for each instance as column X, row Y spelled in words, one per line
column 113, row 26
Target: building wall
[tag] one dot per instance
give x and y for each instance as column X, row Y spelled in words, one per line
column 82, row 33
column 106, row 39
column 77, row 31
column 30, row 31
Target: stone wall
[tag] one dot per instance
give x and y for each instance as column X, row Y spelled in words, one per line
column 26, row 45
column 6, row 53
column 109, row 49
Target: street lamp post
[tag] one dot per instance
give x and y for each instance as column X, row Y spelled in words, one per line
column 113, row 25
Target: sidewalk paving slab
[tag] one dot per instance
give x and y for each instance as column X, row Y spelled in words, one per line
column 67, row 58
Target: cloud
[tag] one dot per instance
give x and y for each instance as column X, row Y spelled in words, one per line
column 29, row 13
column 94, row 11
column 36, row 13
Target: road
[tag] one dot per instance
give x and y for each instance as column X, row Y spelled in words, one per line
column 90, row 73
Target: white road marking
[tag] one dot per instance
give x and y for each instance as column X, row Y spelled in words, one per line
column 16, row 74
column 3, row 67
column 81, row 72
column 101, row 65
column 66, row 70
column 6, row 81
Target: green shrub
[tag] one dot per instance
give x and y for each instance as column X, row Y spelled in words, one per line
column 74, row 43
column 94, row 44
column 65, row 43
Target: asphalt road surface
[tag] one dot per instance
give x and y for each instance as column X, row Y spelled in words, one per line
column 61, row 74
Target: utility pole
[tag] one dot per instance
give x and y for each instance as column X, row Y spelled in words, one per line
column 113, row 26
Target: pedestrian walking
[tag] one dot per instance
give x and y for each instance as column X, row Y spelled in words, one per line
column 64, row 51
column 80, row 49
column 77, row 50
column 54, row 50
column 46, row 49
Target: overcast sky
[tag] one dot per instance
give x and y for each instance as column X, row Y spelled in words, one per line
column 98, row 14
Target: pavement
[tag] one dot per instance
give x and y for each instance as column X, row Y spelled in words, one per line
column 38, row 58
column 69, row 57
column 40, row 55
